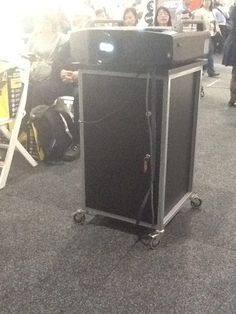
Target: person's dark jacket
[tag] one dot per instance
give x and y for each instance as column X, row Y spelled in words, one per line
column 229, row 55
column 62, row 61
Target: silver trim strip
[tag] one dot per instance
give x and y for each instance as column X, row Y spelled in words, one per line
column 164, row 150
column 92, row 211
column 171, row 73
column 167, row 218
column 197, row 80
column 82, row 160
column 176, row 208
column 185, row 72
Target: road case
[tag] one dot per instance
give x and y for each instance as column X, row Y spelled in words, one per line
column 138, row 134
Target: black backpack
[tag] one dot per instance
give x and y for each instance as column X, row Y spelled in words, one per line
column 55, row 129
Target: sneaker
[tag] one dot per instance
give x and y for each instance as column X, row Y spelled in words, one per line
column 72, row 153
column 213, row 74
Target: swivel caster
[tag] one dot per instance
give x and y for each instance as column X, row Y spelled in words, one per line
column 79, row 216
column 153, row 244
column 202, row 93
column 155, row 239
column 195, row 201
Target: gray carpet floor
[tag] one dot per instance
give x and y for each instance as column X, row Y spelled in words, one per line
column 50, row 265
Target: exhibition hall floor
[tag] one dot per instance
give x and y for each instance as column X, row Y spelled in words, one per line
column 48, row 264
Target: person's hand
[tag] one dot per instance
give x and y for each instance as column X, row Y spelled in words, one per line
column 66, row 76
column 75, row 76
column 69, row 76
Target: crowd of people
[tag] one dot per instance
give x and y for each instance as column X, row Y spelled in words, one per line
column 49, row 42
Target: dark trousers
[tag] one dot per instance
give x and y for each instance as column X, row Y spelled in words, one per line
column 45, row 93
column 233, row 85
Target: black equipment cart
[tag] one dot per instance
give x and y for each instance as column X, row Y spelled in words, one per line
column 137, row 124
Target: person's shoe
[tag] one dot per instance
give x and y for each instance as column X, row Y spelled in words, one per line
column 213, row 74
column 72, row 153
column 232, row 103
column 53, row 162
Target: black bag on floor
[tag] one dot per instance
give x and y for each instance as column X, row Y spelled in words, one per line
column 55, row 129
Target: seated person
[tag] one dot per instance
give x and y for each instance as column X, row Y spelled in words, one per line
column 44, row 45
column 130, row 17
column 47, row 38
column 101, row 14
column 63, row 81
column 162, row 17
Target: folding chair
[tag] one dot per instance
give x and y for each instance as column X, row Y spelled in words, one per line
column 12, row 135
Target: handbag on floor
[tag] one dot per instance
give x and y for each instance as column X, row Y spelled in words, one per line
column 55, row 129
column 29, row 139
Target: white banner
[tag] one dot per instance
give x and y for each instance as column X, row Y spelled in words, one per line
column 148, row 13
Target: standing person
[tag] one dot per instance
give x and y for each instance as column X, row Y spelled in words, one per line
column 221, row 16
column 183, row 11
column 229, row 57
column 209, row 24
column 162, row 17
column 130, row 17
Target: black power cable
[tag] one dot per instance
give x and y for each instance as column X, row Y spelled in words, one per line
column 151, row 121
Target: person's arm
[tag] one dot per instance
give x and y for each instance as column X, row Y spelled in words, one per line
column 216, row 14
column 69, row 77
column 199, row 16
column 62, row 68
column 218, row 28
column 61, row 61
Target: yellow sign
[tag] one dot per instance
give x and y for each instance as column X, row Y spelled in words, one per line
column 4, row 108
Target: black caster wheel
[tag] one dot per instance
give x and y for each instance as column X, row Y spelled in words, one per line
column 154, row 243
column 196, row 202
column 202, row 93
column 79, row 217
